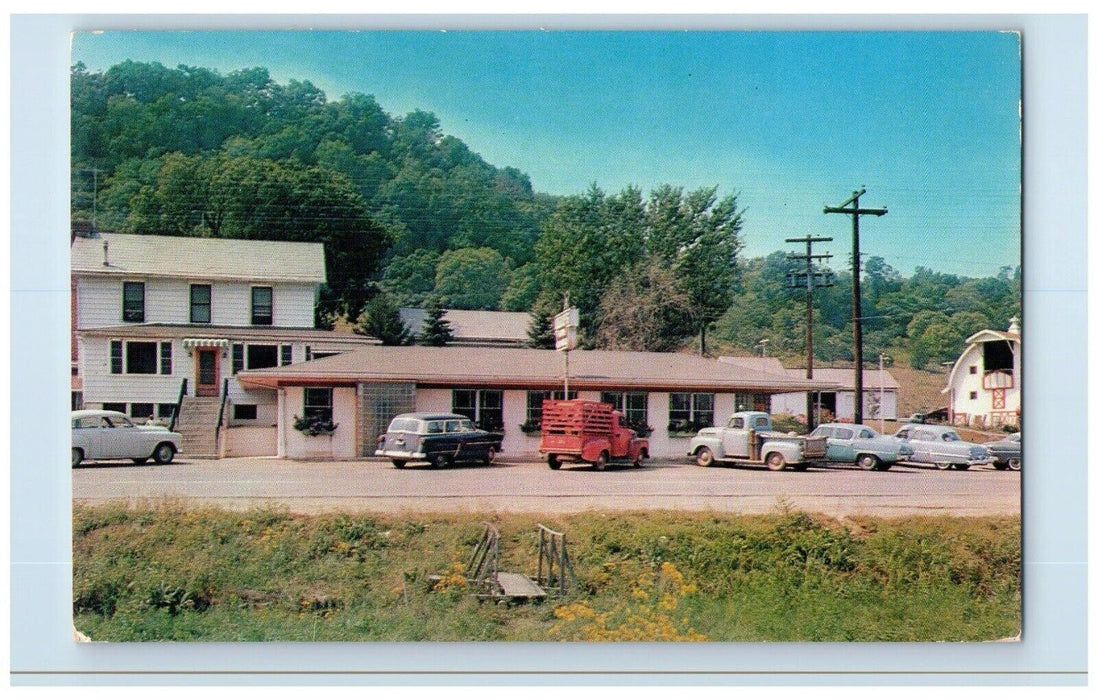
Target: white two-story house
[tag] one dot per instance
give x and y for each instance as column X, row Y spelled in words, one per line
column 164, row 323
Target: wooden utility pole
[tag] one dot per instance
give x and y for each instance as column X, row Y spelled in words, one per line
column 809, row 283
column 851, row 207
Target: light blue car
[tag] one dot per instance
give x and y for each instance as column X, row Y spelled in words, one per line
column 941, row 446
column 859, row 444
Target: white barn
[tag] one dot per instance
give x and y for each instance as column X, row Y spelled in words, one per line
column 985, row 384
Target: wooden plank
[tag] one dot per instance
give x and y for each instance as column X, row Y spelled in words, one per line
column 518, row 586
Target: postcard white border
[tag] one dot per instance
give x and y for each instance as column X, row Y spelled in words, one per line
column 1053, row 650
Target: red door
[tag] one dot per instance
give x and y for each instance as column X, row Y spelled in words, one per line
column 207, row 371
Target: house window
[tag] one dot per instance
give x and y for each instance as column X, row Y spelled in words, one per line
column 690, row 412
column 116, row 357
column 753, row 402
column 133, row 302
column 533, row 406
column 166, row 357
column 483, row 406
column 262, row 306
column 245, row 411
column 120, row 407
column 238, row 357
column 141, row 358
column 165, row 410
column 141, row 410
column 972, row 369
column 286, row 355
column 633, row 404
column 261, row 356
column 972, row 395
column 201, row 296
column 318, row 403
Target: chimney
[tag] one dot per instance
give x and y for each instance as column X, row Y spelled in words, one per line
column 106, row 262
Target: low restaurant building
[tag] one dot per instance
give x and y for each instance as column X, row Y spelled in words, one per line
column 669, row 396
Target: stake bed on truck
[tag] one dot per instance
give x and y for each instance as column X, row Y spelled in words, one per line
column 577, row 430
column 747, row 438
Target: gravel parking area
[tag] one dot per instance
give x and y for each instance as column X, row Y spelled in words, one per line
column 529, row 486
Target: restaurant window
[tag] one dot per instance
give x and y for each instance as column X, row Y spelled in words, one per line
column 238, row 357
column 318, row 403
column 201, row 300
column 534, row 400
column 286, row 355
column 689, row 413
column 483, row 406
column 133, row 302
column 632, row 404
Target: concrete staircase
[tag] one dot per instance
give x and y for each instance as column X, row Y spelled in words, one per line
column 197, row 423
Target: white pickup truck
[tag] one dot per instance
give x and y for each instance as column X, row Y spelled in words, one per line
column 748, row 438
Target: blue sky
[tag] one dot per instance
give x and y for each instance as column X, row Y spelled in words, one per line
column 928, row 122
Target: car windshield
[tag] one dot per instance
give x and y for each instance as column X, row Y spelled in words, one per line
column 1016, row 437
column 736, row 422
column 821, row 432
column 867, row 433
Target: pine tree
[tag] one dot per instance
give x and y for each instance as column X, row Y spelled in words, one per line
column 382, row 321
column 540, row 331
column 436, row 330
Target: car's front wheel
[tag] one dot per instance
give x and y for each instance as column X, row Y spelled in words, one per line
column 554, row 463
column 1015, row 464
column 775, row 462
column 440, row 461
column 943, row 465
column 77, row 457
column 704, row 457
column 164, row 453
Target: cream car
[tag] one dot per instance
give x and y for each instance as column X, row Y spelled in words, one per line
column 111, row 435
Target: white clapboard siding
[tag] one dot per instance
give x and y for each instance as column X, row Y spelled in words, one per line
column 99, row 302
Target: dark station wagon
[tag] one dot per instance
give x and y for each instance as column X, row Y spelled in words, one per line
column 440, row 439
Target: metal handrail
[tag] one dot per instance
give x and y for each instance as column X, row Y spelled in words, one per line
column 178, row 403
column 220, row 414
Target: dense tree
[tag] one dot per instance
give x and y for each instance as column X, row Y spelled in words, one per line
column 242, row 197
column 436, row 330
column 540, row 333
column 697, row 238
column 471, row 278
column 410, row 279
column 645, row 308
column 381, row 320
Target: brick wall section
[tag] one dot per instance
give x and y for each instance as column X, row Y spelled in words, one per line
column 377, row 404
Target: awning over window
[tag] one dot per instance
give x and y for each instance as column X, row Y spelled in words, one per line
column 191, row 343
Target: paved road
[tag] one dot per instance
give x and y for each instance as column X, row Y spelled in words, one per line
column 513, row 486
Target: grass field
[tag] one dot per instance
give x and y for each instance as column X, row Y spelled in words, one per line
column 173, row 573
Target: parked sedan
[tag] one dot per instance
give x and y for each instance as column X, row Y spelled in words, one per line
column 862, row 445
column 941, row 446
column 441, row 439
column 1006, row 453
column 111, row 435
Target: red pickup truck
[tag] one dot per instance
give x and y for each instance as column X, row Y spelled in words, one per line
column 577, row 430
